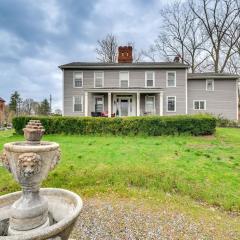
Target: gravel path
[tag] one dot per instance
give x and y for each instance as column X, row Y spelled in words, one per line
column 115, row 220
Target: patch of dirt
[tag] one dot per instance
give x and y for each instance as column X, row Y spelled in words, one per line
column 131, row 220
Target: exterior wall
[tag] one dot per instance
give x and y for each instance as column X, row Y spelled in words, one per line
column 2, row 107
column 221, row 101
column 136, row 80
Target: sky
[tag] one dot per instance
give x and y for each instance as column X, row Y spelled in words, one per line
column 36, row 36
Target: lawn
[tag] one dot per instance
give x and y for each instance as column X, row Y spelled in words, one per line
column 203, row 169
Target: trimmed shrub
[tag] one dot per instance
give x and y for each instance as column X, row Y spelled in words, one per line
column 149, row 125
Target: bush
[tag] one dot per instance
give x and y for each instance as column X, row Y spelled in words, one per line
column 224, row 122
column 150, row 125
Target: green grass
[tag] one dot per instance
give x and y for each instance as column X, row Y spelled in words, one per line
column 205, row 169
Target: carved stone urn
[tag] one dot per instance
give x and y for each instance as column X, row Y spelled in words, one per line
column 34, row 211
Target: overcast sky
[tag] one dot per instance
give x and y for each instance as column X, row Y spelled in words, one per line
column 36, row 36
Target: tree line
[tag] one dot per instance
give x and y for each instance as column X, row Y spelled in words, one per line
column 204, row 34
column 18, row 107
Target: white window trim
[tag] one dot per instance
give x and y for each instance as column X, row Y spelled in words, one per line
column 208, row 80
column 146, row 72
column 154, row 106
column 175, row 99
column 98, row 96
column 205, row 105
column 120, row 79
column 74, row 103
column 175, row 74
column 74, row 79
column 95, row 79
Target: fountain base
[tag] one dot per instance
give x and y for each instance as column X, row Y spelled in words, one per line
column 64, row 208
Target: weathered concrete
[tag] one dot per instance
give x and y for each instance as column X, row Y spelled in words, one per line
column 30, row 163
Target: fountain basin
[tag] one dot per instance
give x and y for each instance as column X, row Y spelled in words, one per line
column 63, row 206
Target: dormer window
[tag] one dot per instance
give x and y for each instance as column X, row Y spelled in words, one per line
column 210, row 85
column 149, row 79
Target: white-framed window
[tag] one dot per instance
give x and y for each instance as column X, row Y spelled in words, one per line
column 149, row 79
column 99, row 103
column 124, row 79
column 77, row 79
column 98, row 79
column 78, row 103
column 171, row 103
column 150, row 104
column 210, row 85
column 199, row 104
column 171, row 79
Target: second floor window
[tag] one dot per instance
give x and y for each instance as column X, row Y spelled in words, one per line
column 124, row 79
column 149, row 79
column 78, row 79
column 171, row 79
column 98, row 79
column 78, row 103
column 210, row 85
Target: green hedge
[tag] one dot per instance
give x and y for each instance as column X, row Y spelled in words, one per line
column 151, row 126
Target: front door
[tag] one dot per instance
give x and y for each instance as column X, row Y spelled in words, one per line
column 124, row 107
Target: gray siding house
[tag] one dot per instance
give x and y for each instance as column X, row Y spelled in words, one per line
column 139, row 89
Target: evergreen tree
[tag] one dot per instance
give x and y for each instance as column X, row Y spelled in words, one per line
column 44, row 107
column 15, row 102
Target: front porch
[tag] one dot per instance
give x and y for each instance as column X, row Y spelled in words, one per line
column 123, row 102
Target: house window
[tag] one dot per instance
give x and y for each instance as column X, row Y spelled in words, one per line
column 98, row 79
column 210, row 85
column 199, row 104
column 124, row 79
column 171, row 104
column 78, row 79
column 78, row 103
column 171, row 79
column 150, row 104
column 99, row 104
column 149, row 79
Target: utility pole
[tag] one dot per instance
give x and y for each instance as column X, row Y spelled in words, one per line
column 50, row 103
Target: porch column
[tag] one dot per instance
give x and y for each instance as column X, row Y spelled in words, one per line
column 138, row 104
column 86, row 104
column 109, row 105
column 161, row 104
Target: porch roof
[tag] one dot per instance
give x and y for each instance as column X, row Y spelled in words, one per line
column 124, row 90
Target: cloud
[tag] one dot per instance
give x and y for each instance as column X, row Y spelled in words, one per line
column 38, row 36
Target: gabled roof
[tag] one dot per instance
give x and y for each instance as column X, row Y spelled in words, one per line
column 212, row 75
column 138, row 65
column 2, row 100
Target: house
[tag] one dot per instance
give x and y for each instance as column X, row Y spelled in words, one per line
column 145, row 88
column 2, row 108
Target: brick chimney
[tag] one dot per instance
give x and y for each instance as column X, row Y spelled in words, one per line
column 177, row 58
column 125, row 54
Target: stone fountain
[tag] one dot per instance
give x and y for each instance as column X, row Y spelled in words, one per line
column 35, row 213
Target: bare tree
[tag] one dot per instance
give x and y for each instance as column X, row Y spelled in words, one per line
column 107, row 49
column 137, row 56
column 180, row 34
column 220, row 20
column 27, row 106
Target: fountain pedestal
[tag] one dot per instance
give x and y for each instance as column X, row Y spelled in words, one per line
column 30, row 163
